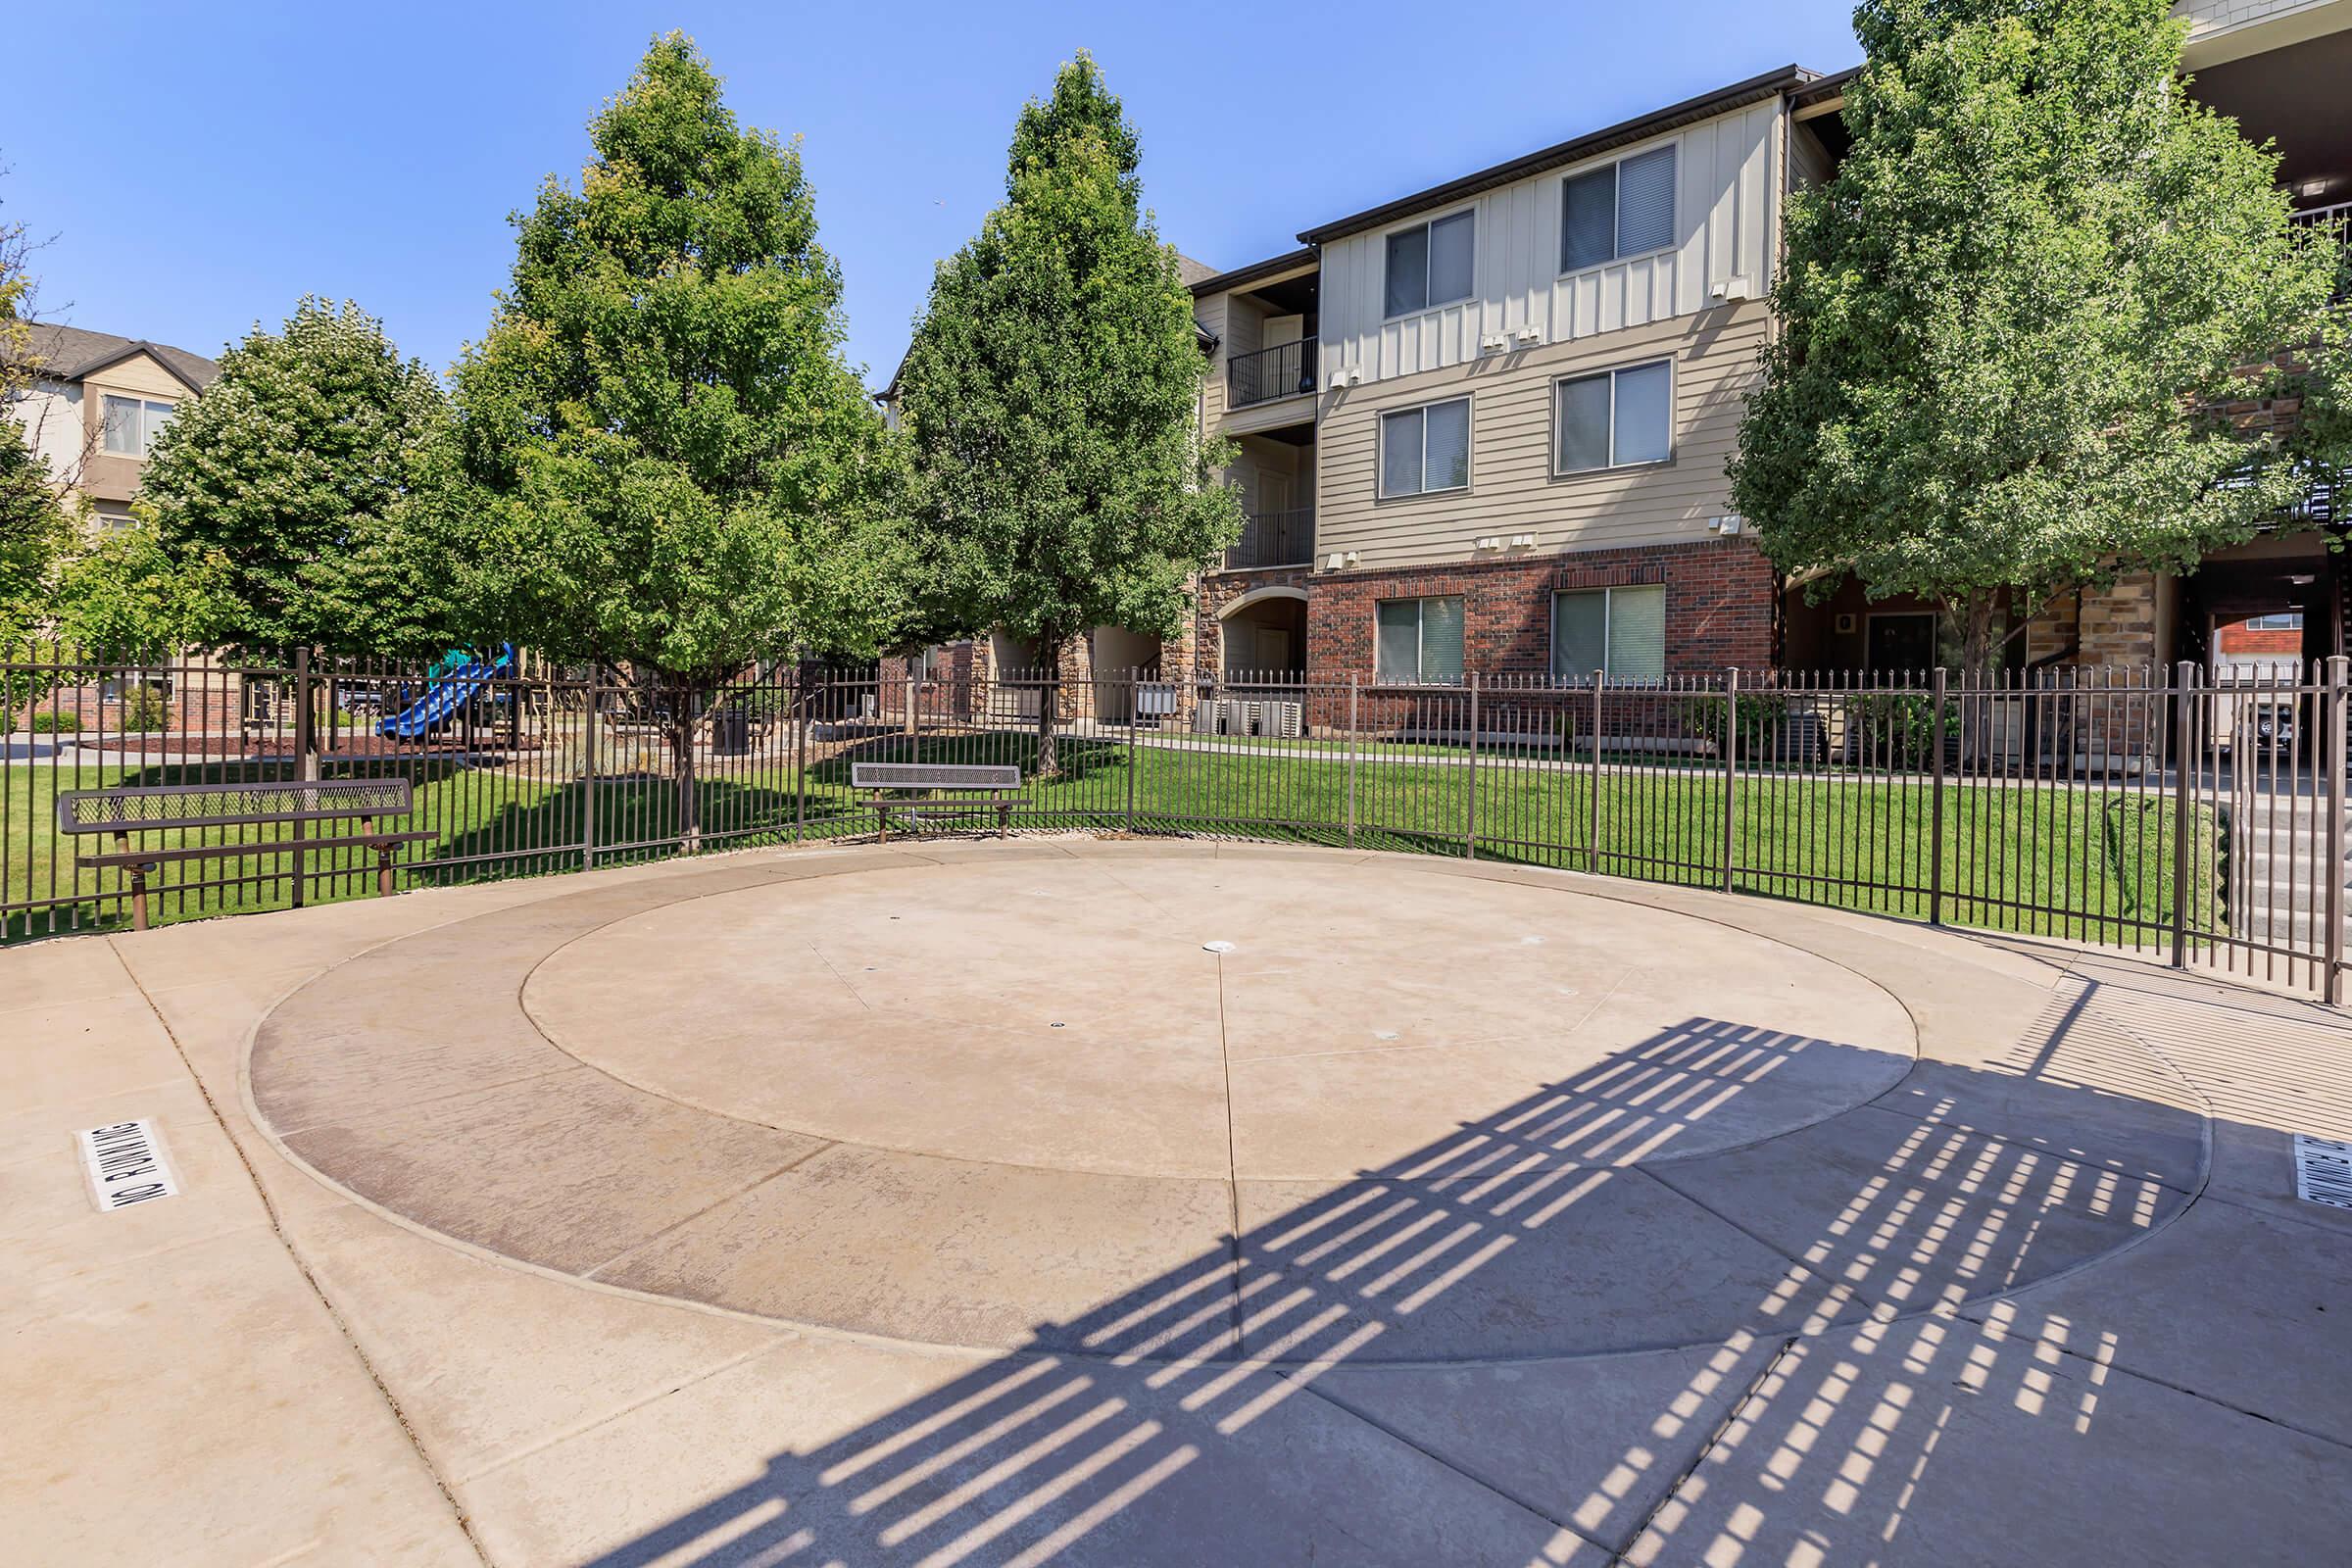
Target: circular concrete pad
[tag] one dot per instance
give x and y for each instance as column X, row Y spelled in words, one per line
column 1004, row 1096
column 1066, row 1016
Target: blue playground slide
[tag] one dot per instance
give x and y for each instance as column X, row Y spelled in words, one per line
column 454, row 681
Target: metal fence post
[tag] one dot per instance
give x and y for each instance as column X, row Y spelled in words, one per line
column 1470, row 827
column 1353, row 745
column 2332, row 756
column 1593, row 801
column 1936, row 803
column 2183, row 738
column 1135, row 697
column 306, row 760
column 800, row 755
column 588, row 778
column 1730, row 766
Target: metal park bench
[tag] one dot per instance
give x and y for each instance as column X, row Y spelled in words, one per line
column 175, row 806
column 880, row 778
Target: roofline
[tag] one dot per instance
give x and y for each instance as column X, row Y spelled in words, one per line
column 90, row 368
column 1756, row 90
column 1255, row 272
column 1823, row 89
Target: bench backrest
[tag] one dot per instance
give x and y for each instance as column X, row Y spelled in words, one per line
column 934, row 776
column 128, row 810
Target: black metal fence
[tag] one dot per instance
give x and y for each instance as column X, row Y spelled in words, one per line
column 2203, row 822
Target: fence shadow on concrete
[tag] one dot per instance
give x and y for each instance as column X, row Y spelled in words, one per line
column 1409, row 1366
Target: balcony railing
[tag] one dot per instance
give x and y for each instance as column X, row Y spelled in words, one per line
column 1284, row 371
column 1274, row 539
column 2336, row 220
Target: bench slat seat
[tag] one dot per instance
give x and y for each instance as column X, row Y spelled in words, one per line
column 878, row 778
column 127, row 810
column 205, row 852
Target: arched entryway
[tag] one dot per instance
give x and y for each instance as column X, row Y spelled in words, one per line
column 1262, row 636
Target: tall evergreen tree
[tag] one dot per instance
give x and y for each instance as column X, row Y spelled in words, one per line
column 1052, row 396
column 2010, row 318
column 683, row 475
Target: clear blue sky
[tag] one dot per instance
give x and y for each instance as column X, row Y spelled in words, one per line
column 202, row 166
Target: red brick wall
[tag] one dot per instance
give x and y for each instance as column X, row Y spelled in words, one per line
column 2244, row 639
column 1719, row 595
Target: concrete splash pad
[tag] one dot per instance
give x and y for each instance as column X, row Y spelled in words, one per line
column 1418, row 1112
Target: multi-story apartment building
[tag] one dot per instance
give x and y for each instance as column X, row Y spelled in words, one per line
column 1485, row 425
column 94, row 404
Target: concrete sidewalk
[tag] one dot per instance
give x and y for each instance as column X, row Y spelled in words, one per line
column 272, row 1368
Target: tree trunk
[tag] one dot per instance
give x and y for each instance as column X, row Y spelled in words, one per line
column 1048, row 705
column 1974, row 614
column 681, row 753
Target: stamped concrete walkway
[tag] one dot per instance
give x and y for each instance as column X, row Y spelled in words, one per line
column 1114, row 1203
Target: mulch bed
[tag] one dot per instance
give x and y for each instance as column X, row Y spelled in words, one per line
column 346, row 747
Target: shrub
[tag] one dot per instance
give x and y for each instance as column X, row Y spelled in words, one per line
column 54, row 723
column 145, row 710
column 1892, row 729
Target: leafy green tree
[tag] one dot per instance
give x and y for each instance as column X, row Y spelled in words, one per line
column 119, row 597
column 1052, row 393
column 683, row 475
column 2011, row 318
column 34, row 528
column 287, row 497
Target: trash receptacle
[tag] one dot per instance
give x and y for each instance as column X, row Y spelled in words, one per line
column 731, row 730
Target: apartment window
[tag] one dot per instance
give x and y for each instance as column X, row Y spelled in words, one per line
column 1620, row 211
column 132, row 424
column 1429, row 264
column 1614, row 419
column 2283, row 621
column 1421, row 640
column 1425, row 449
column 1621, row 631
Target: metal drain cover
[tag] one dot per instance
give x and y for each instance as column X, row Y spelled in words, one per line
column 2323, row 1170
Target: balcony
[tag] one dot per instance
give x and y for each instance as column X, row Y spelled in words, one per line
column 2335, row 221
column 1285, row 371
column 1274, row 539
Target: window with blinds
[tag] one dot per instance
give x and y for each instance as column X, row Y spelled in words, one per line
column 1614, row 419
column 1430, row 264
column 1420, row 640
column 1425, row 449
column 1625, row 209
column 1620, row 631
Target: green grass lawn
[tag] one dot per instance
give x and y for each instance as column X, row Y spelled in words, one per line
column 2083, row 863
column 488, row 822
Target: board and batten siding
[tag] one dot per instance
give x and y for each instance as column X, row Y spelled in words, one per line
column 1724, row 218
column 1513, row 488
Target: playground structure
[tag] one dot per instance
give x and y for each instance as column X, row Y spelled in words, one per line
column 453, row 682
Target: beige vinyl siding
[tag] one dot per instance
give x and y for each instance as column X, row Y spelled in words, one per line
column 1725, row 212
column 1512, row 489
column 1210, row 312
column 2207, row 18
column 139, row 374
